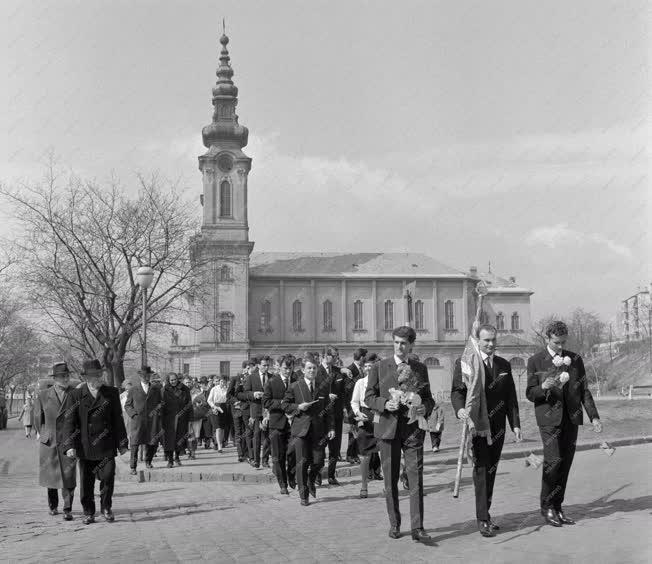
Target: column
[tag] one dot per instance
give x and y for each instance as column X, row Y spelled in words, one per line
column 281, row 310
column 435, row 319
column 344, row 325
column 374, row 310
column 404, row 301
column 465, row 311
column 315, row 316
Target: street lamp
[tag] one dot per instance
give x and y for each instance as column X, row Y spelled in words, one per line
column 144, row 277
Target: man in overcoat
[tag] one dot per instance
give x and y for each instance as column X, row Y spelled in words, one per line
column 177, row 410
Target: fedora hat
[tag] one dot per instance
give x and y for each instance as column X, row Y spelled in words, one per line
column 91, row 367
column 59, row 369
column 145, row 370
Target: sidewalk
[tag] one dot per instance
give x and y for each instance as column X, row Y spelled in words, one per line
column 213, row 467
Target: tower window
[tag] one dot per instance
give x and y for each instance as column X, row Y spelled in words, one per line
column 389, row 315
column 418, row 315
column 358, row 318
column 516, row 322
column 328, row 315
column 297, row 324
column 225, row 199
column 449, row 315
column 500, row 321
column 226, row 326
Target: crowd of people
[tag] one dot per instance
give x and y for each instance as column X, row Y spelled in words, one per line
column 292, row 410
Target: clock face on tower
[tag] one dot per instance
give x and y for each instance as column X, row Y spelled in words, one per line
column 225, row 162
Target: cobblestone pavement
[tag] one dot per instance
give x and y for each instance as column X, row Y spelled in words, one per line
column 611, row 498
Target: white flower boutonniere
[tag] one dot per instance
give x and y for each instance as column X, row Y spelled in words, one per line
column 567, row 360
column 557, row 361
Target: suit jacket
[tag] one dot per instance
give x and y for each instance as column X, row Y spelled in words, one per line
column 253, row 383
column 500, row 392
column 272, row 401
column 550, row 404
column 145, row 412
column 235, row 387
column 384, row 376
column 333, row 384
column 176, row 413
column 98, row 424
column 317, row 420
column 52, row 419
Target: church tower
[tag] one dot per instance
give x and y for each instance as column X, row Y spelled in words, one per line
column 223, row 246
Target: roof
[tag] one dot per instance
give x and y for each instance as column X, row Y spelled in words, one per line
column 349, row 265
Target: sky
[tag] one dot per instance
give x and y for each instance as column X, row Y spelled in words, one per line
column 513, row 131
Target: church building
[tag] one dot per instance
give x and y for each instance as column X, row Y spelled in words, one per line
column 273, row 303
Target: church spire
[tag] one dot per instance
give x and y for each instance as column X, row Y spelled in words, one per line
column 225, row 127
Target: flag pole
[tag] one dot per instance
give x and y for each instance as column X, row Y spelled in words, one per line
column 481, row 291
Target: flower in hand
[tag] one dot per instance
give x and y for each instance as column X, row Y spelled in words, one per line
column 563, row 377
column 557, row 361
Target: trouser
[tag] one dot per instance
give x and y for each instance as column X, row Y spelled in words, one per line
column 310, row 454
column 239, row 428
column 485, row 466
column 335, row 446
column 254, row 439
column 150, row 451
column 283, row 462
column 558, row 452
column 207, row 427
column 435, row 438
column 352, row 447
column 194, row 432
column 171, row 455
column 66, row 493
column 228, row 422
column 410, row 442
column 89, row 471
column 266, row 443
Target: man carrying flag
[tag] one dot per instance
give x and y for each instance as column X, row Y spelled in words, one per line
column 483, row 395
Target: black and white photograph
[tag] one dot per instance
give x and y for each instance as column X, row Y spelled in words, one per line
column 325, row 281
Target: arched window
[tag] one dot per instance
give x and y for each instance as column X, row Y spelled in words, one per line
column 418, row 315
column 297, row 324
column 389, row 315
column 516, row 322
column 265, row 315
column 225, row 199
column 328, row 315
column 500, row 321
column 358, row 319
column 517, row 362
column 226, row 327
column 225, row 273
column 449, row 315
column 432, row 362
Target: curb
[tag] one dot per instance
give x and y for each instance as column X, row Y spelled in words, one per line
column 266, row 477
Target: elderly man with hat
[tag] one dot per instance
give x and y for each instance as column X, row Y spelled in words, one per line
column 144, row 405
column 52, row 410
column 99, row 431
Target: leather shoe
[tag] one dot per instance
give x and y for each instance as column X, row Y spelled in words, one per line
column 312, row 489
column 88, row 519
column 394, row 533
column 494, row 526
column 350, row 460
column 551, row 517
column 563, row 519
column 285, row 491
column 485, row 529
column 333, row 482
column 420, row 535
column 318, row 479
column 378, row 476
column 108, row 515
column 292, row 482
column 177, row 462
column 363, row 494
column 305, row 502
column 67, row 515
column 356, row 459
column 54, row 511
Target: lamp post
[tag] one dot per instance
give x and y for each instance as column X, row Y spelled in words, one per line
column 144, row 277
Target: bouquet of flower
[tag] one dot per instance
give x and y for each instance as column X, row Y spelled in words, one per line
column 407, row 394
column 559, row 372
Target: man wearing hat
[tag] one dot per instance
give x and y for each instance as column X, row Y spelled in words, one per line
column 100, row 432
column 56, row 451
column 144, row 405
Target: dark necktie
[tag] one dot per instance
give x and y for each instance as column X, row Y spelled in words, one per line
column 311, row 389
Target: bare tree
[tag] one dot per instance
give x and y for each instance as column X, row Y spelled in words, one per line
column 81, row 248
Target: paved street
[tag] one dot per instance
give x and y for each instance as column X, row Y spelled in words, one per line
column 241, row 522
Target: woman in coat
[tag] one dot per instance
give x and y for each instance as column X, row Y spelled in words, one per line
column 177, row 411
column 26, row 416
column 436, row 426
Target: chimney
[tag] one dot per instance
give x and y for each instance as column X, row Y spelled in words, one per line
column 473, row 270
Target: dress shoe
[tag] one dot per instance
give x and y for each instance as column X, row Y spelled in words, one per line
column 350, row 460
column 394, row 533
column 305, row 502
column 363, row 494
column 240, row 459
column 494, row 526
column 485, row 529
column 256, row 465
column 356, row 460
column 318, row 479
column 420, row 535
column 378, row 476
column 88, row 519
column 54, row 511
column 133, row 472
column 292, row 482
column 312, row 489
column 285, row 491
column 177, row 462
column 67, row 515
column 435, row 449
column 551, row 517
column 333, row 482
column 563, row 519
column 219, row 451
column 108, row 515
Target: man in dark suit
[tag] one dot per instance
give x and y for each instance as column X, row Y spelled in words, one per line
column 556, row 383
column 239, row 423
column 279, row 427
column 501, row 402
column 57, row 464
column 312, row 426
column 355, row 369
column 144, row 405
column 396, row 435
column 99, row 429
column 252, row 393
column 331, row 385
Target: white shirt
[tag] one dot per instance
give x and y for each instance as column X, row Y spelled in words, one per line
column 216, row 396
column 398, row 361
column 486, row 356
column 145, row 387
column 552, row 353
column 357, row 398
column 309, row 383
